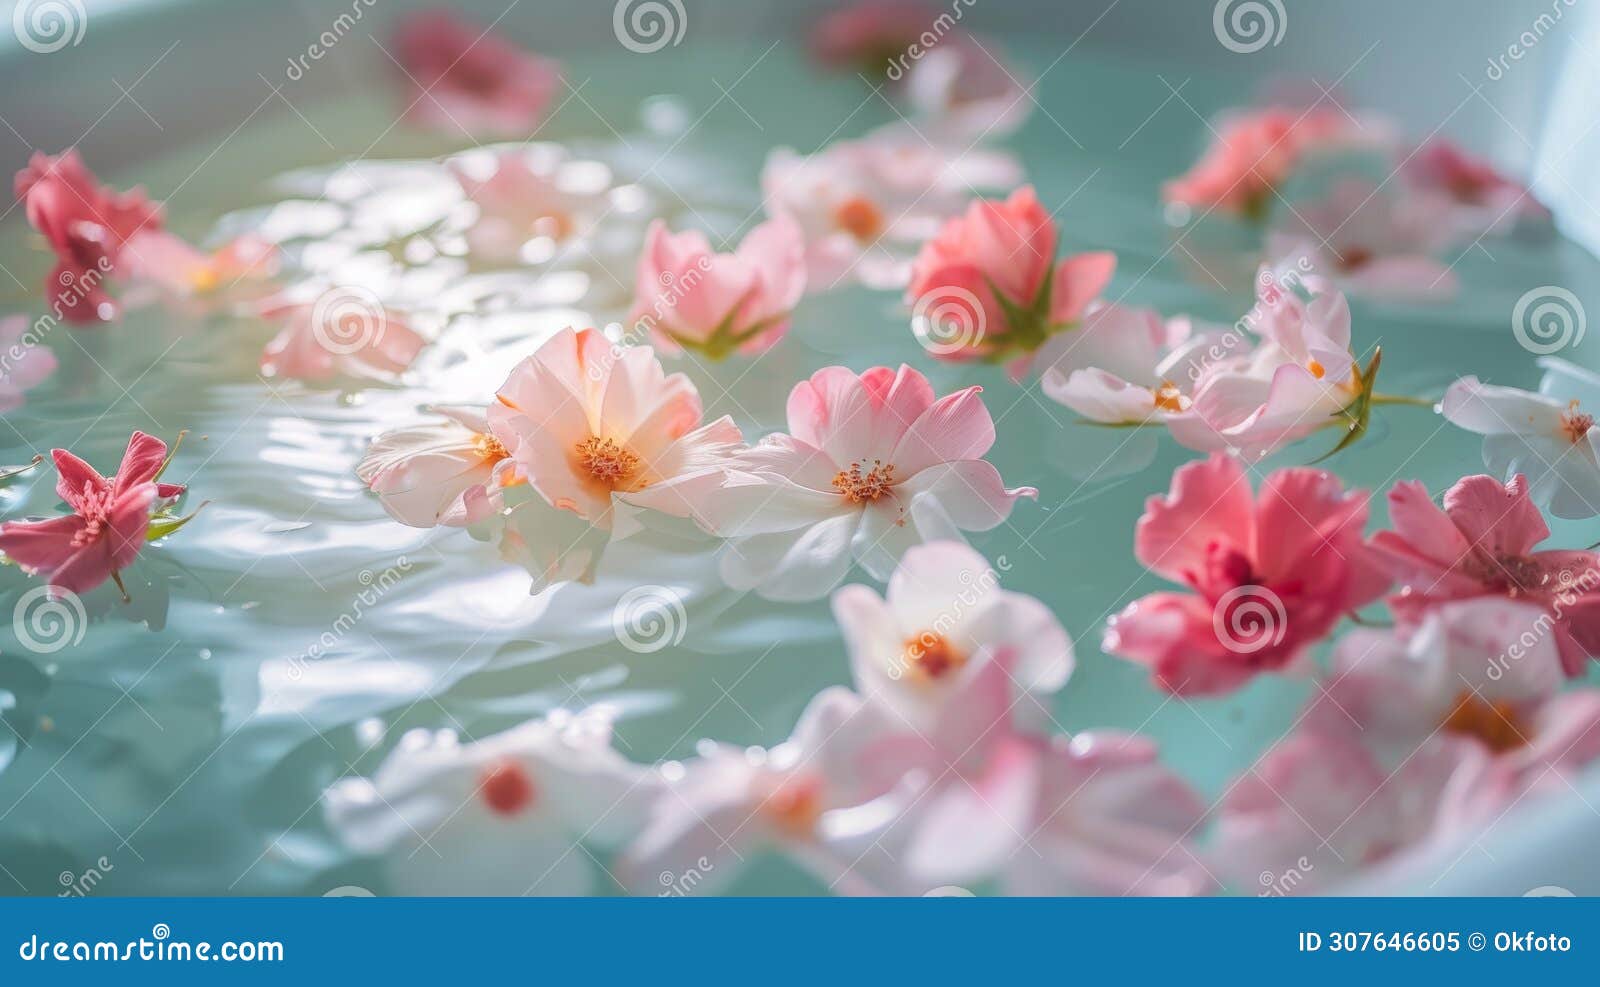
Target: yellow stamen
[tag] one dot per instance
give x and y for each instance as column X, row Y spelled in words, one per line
column 607, row 462
column 859, row 218
column 931, row 656
column 1495, row 724
column 863, row 487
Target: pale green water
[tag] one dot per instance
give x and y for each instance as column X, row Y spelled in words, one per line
column 172, row 741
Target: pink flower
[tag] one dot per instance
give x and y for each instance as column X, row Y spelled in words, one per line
column 1372, row 242
column 1252, row 154
column 872, row 465
column 1130, row 366
column 686, row 295
column 945, row 616
column 460, row 78
column 865, row 206
column 518, row 201
column 449, row 473
column 803, row 797
column 25, row 363
column 107, row 526
column 1486, row 201
column 585, row 421
column 1271, row 575
column 346, row 332
column 238, row 269
column 1301, row 378
column 498, row 816
column 87, row 226
column 961, row 93
column 1481, row 544
column 865, row 36
column 989, row 281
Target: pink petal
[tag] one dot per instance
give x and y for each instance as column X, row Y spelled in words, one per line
column 1210, row 502
column 1079, row 280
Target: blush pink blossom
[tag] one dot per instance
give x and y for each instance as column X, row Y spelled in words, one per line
column 25, row 363
column 345, row 333
column 586, row 421
column 240, row 268
column 1372, row 241
column 1251, row 154
column 962, row 93
column 519, row 199
column 867, row 35
column 991, row 284
column 687, row 295
column 446, row 473
column 106, row 529
column 1270, row 574
column 1481, row 544
column 872, row 465
column 459, row 78
column 1485, row 200
column 86, row 225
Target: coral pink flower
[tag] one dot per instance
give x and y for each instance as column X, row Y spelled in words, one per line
column 872, row 465
column 25, row 363
column 990, row 282
column 585, row 421
column 686, row 295
column 1271, row 575
column 107, row 526
column 86, row 225
column 497, row 816
column 458, row 77
column 1486, row 201
column 865, row 206
column 866, row 36
column 448, row 473
column 1252, row 154
column 1481, row 544
column 344, row 333
column 1372, row 242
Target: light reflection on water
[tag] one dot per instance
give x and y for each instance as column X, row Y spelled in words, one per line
column 293, row 632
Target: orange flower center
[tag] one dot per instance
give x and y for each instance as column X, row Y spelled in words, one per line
column 507, row 789
column 858, row 217
column 863, row 486
column 794, row 804
column 1317, row 369
column 1169, row 398
column 1575, row 424
column 1495, row 725
column 931, row 656
column 607, row 462
column 1354, row 258
column 491, row 448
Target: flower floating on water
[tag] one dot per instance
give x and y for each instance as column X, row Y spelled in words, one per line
column 1481, row 544
column 1372, row 242
column 1485, row 201
column 449, row 473
column 498, row 816
column 866, row 205
column 867, row 36
column 458, row 78
column 240, row 268
column 872, row 465
column 518, row 202
column 988, row 285
column 686, row 295
column 1549, row 436
column 344, row 332
column 1128, row 366
column 1270, row 574
column 25, row 363
column 110, row 522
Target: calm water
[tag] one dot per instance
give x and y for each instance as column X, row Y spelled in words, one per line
column 186, row 740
